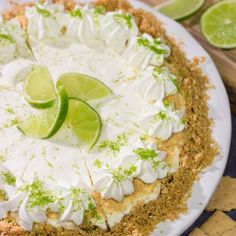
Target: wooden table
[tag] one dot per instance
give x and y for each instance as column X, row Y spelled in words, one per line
column 225, row 60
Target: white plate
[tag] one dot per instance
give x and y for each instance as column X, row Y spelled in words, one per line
column 219, row 111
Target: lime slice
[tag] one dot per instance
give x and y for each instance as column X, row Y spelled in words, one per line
column 218, row 24
column 84, row 87
column 85, row 122
column 180, row 9
column 39, row 89
column 50, row 120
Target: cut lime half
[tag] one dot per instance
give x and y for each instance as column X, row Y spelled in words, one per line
column 39, row 89
column 180, row 9
column 50, row 120
column 85, row 123
column 218, row 24
column 84, row 87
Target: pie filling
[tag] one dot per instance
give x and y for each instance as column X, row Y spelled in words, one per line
column 58, row 176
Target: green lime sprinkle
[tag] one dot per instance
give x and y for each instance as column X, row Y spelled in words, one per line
column 151, row 46
column 100, row 10
column 37, row 195
column 145, row 154
column 115, row 145
column 10, row 110
column 167, row 104
column 97, row 163
column 11, row 123
column 93, row 211
column 74, row 194
column 148, row 155
column 1, row 157
column 77, row 13
column 161, row 116
column 123, row 19
column 49, row 164
column 8, row 178
column 175, row 82
column 157, row 71
column 7, row 37
column 119, row 174
column 182, row 121
column 43, row 12
column 61, row 207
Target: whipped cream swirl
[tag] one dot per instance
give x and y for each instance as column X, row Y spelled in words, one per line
column 84, row 24
column 154, row 83
column 117, row 29
column 145, row 50
column 161, row 120
column 44, row 21
column 12, row 42
column 149, row 162
column 116, row 182
column 32, row 200
column 136, row 161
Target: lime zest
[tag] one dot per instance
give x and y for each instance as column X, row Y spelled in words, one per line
column 97, row 163
column 120, row 174
column 123, row 19
column 42, row 11
column 8, row 178
column 6, row 36
column 148, row 155
column 115, row 145
column 99, row 10
column 76, row 13
column 37, row 195
column 151, row 46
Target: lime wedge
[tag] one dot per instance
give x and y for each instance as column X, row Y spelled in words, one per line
column 39, row 89
column 218, row 24
column 84, row 87
column 85, row 122
column 50, row 120
column 180, row 9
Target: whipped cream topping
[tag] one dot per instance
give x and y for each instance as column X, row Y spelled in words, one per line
column 114, row 52
column 144, row 50
column 138, row 161
column 84, row 24
column 154, row 83
column 149, row 162
column 161, row 120
column 42, row 21
column 12, row 42
column 33, row 199
column 121, row 159
column 117, row 29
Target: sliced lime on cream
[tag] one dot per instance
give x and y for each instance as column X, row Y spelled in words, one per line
column 39, row 89
column 85, row 122
column 84, row 87
column 49, row 121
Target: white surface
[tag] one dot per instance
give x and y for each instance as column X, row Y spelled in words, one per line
column 219, row 111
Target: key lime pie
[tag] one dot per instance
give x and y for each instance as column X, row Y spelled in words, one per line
column 103, row 124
